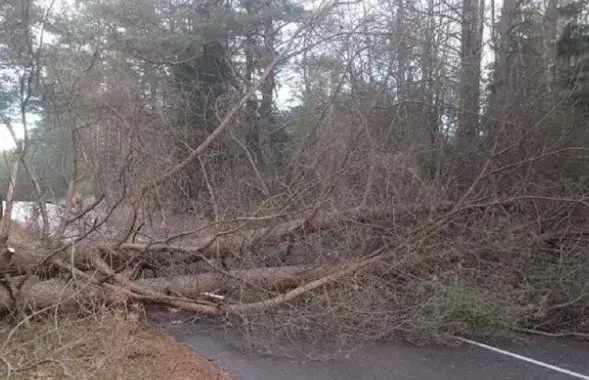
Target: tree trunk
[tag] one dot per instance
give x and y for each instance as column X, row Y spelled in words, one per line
column 503, row 78
column 38, row 294
column 549, row 41
column 471, row 73
column 401, row 47
column 268, row 53
column 187, row 292
column 224, row 244
column 270, row 236
column 6, row 219
column 251, row 106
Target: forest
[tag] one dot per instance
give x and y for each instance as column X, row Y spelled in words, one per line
column 333, row 170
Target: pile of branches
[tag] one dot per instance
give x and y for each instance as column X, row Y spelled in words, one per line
column 483, row 241
column 40, row 276
column 427, row 271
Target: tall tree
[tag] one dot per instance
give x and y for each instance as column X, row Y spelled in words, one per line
column 470, row 77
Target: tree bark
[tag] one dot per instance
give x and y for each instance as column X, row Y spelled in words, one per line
column 471, row 73
column 275, row 278
column 39, row 294
column 268, row 55
column 549, row 42
column 502, row 76
column 186, row 292
column 269, row 236
column 6, row 219
column 232, row 242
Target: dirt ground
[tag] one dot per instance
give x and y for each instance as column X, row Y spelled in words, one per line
column 110, row 344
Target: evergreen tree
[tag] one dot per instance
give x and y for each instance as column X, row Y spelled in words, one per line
column 573, row 52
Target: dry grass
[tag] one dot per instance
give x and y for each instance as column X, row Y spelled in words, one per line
column 108, row 345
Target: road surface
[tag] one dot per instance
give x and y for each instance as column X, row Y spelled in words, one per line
column 395, row 361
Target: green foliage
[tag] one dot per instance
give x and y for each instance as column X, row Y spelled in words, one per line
column 573, row 51
column 49, row 156
column 573, row 9
column 574, row 42
column 5, row 165
column 24, row 190
column 462, row 306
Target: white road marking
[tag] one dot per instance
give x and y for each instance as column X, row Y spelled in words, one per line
column 525, row 359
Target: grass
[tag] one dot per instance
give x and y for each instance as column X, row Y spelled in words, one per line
column 111, row 344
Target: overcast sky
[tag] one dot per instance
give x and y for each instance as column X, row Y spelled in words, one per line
column 6, row 140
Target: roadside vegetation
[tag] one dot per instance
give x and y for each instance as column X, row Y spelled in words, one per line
column 330, row 173
column 109, row 344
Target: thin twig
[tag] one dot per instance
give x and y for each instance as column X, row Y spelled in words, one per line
column 562, row 334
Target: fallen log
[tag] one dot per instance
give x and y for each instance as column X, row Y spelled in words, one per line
column 244, row 239
column 38, row 294
column 275, row 278
column 185, row 292
column 231, row 243
column 33, row 258
column 222, row 244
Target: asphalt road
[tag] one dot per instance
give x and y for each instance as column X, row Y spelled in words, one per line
column 393, row 361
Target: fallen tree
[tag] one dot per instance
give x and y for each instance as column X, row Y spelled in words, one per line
column 233, row 241
column 222, row 244
column 187, row 292
column 414, row 261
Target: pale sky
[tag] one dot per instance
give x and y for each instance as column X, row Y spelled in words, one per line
column 6, row 140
